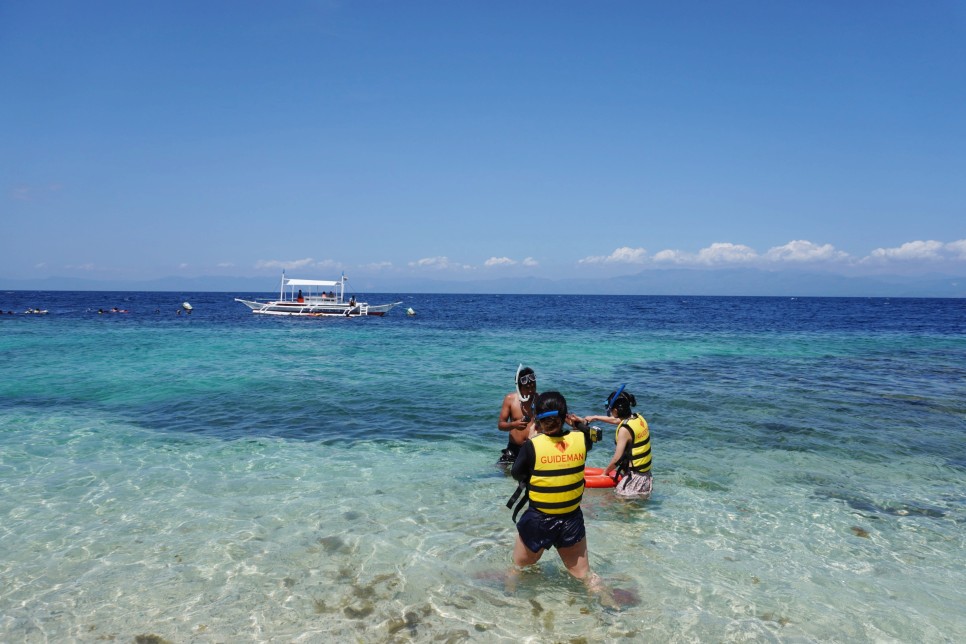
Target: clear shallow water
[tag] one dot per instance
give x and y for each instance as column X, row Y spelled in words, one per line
column 225, row 477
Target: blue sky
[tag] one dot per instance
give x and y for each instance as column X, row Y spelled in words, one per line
column 471, row 140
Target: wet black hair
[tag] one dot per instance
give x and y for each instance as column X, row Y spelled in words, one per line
column 551, row 401
column 622, row 403
column 526, row 371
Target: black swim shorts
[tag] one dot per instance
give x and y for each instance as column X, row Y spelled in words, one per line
column 539, row 530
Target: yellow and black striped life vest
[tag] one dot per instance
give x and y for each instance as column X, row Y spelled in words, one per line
column 637, row 458
column 557, row 483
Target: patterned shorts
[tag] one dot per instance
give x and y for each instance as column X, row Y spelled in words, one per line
column 635, row 486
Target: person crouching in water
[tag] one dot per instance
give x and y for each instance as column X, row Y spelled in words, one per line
column 551, row 464
column 632, row 455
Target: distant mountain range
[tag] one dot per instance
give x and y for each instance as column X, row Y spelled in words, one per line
column 732, row 282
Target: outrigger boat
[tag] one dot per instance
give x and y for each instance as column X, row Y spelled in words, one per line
column 309, row 298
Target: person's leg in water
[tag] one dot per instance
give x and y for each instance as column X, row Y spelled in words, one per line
column 575, row 559
column 577, row 562
column 522, row 557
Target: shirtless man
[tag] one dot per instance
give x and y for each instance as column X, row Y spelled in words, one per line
column 516, row 414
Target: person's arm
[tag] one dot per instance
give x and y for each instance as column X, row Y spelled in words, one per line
column 523, row 465
column 531, row 430
column 610, row 420
column 623, row 436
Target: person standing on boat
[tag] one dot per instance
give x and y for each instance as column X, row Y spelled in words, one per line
column 550, row 469
column 632, row 454
column 516, row 414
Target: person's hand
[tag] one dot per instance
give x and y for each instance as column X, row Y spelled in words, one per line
column 520, row 424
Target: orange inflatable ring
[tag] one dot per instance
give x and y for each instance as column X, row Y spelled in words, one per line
column 594, row 477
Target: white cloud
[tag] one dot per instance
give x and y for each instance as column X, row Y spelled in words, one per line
column 499, row 261
column 957, row 249
column 431, row 262
column 716, row 254
column 225, row 264
column 673, row 257
column 623, row 255
column 280, row 263
column 726, row 253
column 182, row 266
column 914, row 250
column 801, row 250
column 919, row 252
column 439, row 263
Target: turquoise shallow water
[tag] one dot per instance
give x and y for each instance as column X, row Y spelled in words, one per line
column 225, row 477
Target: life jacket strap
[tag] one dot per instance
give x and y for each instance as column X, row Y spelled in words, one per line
column 623, row 468
column 520, row 493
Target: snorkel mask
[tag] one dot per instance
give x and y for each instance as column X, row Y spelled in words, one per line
column 516, row 379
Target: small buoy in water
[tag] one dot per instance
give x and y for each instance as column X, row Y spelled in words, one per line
column 186, row 306
column 410, row 311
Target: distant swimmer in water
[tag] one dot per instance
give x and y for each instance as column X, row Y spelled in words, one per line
column 516, row 414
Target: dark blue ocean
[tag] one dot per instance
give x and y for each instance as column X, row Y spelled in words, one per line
column 224, row 476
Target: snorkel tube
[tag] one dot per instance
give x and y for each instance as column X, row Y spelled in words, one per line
column 612, row 400
column 516, row 379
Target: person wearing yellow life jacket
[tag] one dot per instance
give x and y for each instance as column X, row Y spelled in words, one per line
column 551, row 466
column 632, row 454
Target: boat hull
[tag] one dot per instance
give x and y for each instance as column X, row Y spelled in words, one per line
column 308, row 309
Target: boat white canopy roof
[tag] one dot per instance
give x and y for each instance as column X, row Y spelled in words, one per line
column 295, row 282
